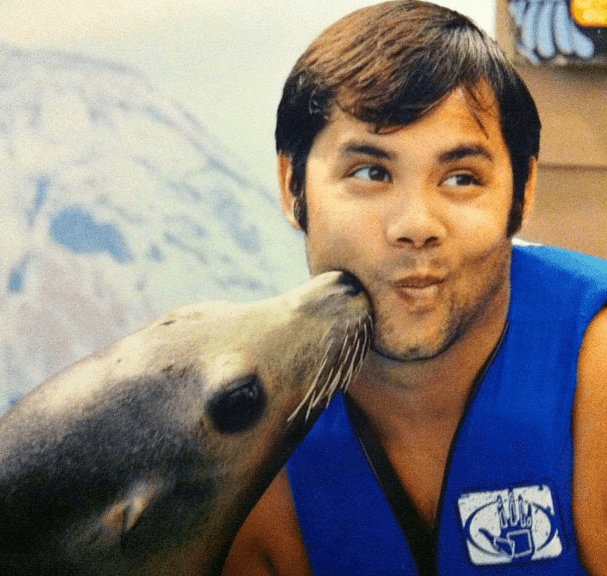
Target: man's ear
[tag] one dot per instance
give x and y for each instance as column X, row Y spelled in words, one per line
column 530, row 187
column 287, row 198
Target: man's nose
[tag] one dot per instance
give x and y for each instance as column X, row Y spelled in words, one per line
column 414, row 219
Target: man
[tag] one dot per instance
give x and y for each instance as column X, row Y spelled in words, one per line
column 473, row 441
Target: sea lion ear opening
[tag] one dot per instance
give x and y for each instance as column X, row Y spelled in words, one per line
column 117, row 522
column 288, row 200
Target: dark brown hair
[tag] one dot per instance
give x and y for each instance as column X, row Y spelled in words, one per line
column 389, row 65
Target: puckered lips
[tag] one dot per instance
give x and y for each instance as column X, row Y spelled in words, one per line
column 420, row 289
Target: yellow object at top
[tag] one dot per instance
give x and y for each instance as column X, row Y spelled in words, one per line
column 589, row 13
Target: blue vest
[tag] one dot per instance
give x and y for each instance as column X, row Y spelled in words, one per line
column 506, row 503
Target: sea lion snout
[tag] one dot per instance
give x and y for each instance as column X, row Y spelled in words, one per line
column 146, row 459
column 336, row 293
column 352, row 283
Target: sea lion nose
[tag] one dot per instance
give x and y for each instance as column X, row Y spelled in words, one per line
column 353, row 285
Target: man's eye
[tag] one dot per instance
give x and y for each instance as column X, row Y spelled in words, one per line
column 372, row 174
column 463, row 179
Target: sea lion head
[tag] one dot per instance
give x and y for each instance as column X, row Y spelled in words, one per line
column 147, row 458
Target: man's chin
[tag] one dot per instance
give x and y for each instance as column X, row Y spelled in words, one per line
column 413, row 353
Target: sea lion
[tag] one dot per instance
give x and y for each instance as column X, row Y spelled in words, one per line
column 146, row 459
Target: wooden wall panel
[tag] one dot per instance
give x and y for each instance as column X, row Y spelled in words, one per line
column 571, row 206
column 571, row 210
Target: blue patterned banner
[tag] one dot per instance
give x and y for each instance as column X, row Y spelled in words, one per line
column 561, row 31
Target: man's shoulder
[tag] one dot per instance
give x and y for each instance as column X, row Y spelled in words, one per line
column 589, row 433
column 270, row 541
column 552, row 282
column 536, row 258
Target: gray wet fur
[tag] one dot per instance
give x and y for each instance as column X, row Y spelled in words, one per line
column 116, row 466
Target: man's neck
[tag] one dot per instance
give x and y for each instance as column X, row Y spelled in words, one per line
column 398, row 395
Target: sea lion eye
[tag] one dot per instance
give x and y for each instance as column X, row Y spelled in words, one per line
column 239, row 407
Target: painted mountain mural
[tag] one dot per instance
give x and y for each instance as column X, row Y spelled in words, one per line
column 116, row 206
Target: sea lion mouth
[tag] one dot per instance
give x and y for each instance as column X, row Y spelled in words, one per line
column 339, row 365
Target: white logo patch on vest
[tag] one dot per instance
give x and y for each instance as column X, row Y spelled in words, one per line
column 510, row 526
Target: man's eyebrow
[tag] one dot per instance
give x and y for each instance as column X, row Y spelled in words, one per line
column 367, row 150
column 465, row 151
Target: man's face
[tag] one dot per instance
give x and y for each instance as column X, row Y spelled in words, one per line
column 419, row 214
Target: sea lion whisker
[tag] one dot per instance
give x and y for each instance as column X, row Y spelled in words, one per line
column 349, row 365
column 312, row 386
column 333, row 380
column 354, row 366
column 338, row 381
column 367, row 332
column 335, row 383
column 346, row 365
column 324, row 337
column 329, row 384
column 320, row 395
column 346, row 343
column 362, row 345
column 353, row 360
column 313, row 403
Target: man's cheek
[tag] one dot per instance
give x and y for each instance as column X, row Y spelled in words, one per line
column 329, row 251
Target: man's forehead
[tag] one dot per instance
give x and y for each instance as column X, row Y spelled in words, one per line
column 477, row 106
